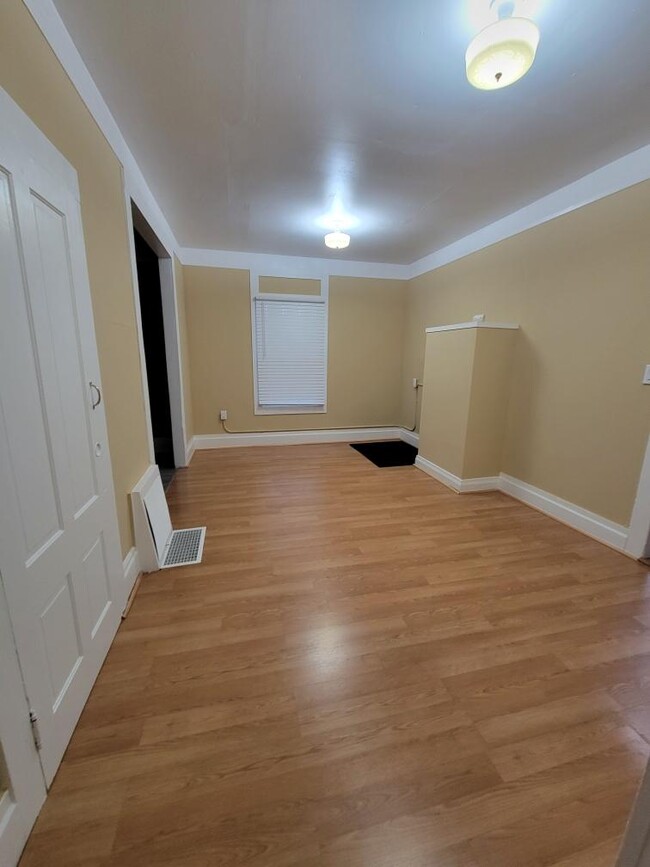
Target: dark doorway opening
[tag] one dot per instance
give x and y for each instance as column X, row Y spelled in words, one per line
column 153, row 333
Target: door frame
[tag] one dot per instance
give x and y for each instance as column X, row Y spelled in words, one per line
column 169, row 295
column 638, row 539
column 21, row 803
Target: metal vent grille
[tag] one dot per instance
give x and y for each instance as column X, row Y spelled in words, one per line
column 185, row 547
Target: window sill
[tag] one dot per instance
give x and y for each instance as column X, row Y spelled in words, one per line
column 289, row 410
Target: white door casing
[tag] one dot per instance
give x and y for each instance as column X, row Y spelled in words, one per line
column 21, row 801
column 169, row 298
column 59, row 546
column 638, row 540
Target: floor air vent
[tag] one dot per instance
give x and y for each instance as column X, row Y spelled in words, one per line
column 184, row 548
column 159, row 545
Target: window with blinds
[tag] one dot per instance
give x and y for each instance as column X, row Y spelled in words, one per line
column 290, row 354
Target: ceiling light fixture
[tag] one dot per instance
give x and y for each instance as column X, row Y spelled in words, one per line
column 502, row 53
column 337, row 240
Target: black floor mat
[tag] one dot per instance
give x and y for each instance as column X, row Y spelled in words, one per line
column 390, row 453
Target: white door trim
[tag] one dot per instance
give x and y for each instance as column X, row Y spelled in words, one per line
column 173, row 354
column 172, row 334
column 638, row 540
column 138, row 316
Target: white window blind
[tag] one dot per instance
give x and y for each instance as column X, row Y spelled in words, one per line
column 291, row 353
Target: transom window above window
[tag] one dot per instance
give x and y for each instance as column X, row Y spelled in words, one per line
column 290, row 353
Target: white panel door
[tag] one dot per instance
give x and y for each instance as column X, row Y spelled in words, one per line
column 59, row 548
column 22, row 787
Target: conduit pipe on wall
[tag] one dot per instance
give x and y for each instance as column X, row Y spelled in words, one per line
column 344, row 427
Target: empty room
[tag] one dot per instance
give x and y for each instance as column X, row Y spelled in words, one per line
column 324, row 433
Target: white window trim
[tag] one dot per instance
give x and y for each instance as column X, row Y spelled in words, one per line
column 323, row 298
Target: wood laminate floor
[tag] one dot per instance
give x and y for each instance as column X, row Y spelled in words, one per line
column 367, row 670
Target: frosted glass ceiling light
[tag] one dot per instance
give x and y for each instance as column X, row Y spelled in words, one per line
column 337, row 240
column 502, row 53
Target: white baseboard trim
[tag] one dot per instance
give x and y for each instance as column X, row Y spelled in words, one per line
column 287, row 438
column 595, row 526
column 409, row 436
column 131, row 567
column 431, row 469
column 460, row 486
column 190, row 448
column 602, row 529
column 475, row 486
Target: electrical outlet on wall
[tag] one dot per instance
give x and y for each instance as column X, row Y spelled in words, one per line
column 223, row 414
column 646, row 375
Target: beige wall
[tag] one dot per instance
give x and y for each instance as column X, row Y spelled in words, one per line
column 33, row 77
column 579, row 286
column 289, row 285
column 181, row 306
column 465, row 402
column 364, row 359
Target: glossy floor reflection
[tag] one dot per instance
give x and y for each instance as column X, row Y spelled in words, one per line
column 366, row 670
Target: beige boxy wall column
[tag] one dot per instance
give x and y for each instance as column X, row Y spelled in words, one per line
column 490, row 398
column 579, row 287
column 34, row 78
column 365, row 332
column 447, row 386
column 467, row 373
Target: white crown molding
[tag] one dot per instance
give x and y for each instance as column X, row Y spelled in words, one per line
column 49, row 21
column 620, row 174
column 291, row 266
column 633, row 168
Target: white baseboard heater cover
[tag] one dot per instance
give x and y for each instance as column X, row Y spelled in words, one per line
column 159, row 545
column 184, row 548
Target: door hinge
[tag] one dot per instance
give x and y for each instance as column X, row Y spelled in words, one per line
column 36, row 732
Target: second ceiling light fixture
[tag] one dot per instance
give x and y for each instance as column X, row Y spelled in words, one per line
column 497, row 57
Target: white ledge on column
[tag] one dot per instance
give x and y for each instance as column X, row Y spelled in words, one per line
column 460, row 325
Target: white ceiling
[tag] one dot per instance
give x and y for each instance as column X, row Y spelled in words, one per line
column 248, row 117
